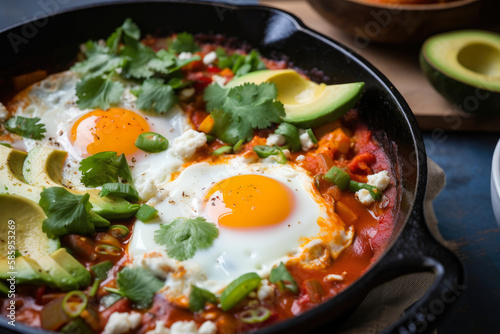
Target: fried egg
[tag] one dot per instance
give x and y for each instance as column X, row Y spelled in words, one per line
column 82, row 133
column 265, row 212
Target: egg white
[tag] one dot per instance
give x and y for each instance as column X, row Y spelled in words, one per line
column 235, row 251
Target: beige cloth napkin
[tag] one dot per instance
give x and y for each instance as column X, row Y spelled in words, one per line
column 386, row 303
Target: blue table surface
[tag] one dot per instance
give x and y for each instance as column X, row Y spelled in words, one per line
column 463, row 208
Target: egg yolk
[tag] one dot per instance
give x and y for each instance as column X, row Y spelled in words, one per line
column 249, row 201
column 115, row 129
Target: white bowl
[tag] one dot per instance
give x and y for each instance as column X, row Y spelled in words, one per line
column 495, row 183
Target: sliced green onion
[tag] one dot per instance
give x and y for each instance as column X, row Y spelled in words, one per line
column 238, row 145
column 255, row 315
column 6, row 145
column 108, row 250
column 374, row 192
column 110, row 299
column 95, row 286
column 123, row 190
column 151, row 142
column 198, row 297
column 312, row 136
column 71, row 308
column 119, row 231
column 222, row 150
column 210, row 138
column 238, row 289
column 76, row 326
column 264, row 151
column 338, row 177
column 281, row 156
column 146, row 213
column 101, row 270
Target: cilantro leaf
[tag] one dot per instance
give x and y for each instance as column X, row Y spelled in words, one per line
column 140, row 56
column 198, row 297
column 183, row 237
column 184, row 43
column 137, row 284
column 282, row 277
column 66, row 212
column 98, row 64
column 26, row 127
column 238, row 63
column 104, row 167
column 237, row 111
column 291, row 134
column 155, row 95
column 98, row 92
column 131, row 31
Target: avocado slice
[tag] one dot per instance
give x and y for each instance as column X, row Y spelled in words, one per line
column 42, row 168
column 72, row 266
column 464, row 66
column 26, row 271
column 11, row 175
column 28, row 217
column 61, row 277
column 307, row 104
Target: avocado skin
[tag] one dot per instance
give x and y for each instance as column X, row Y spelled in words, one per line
column 468, row 98
column 27, row 270
column 61, row 277
column 72, row 266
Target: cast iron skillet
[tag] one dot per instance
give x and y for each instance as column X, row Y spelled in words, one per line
column 53, row 43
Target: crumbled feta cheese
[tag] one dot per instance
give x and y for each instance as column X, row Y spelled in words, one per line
column 185, row 55
column 186, row 93
column 275, row 139
column 305, row 140
column 186, row 144
column 159, row 329
column 208, row 327
column 364, row 197
column 300, row 158
column 333, row 277
column 3, row 113
column 380, row 180
column 265, row 290
column 156, row 262
column 221, row 81
column 209, row 58
column 183, row 327
column 122, row 322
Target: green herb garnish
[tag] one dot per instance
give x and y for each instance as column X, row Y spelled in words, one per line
column 26, row 127
column 282, row 277
column 156, row 96
column 184, row 236
column 291, row 134
column 199, row 297
column 184, row 42
column 104, row 167
column 237, row 111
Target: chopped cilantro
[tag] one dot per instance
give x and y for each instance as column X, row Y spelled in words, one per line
column 104, row 167
column 198, row 297
column 282, row 277
column 98, row 64
column 98, row 92
column 137, row 284
column 66, row 212
column 237, row 111
column 183, row 237
column 291, row 134
column 240, row 64
column 155, row 95
column 26, row 127
column 184, row 43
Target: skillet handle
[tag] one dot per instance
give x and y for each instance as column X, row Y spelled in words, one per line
column 418, row 251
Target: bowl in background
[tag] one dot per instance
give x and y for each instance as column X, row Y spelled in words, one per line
column 495, row 183
column 368, row 20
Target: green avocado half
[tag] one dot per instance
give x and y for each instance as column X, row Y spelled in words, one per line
column 307, row 104
column 464, row 66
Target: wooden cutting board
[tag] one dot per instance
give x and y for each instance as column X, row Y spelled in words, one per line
column 400, row 65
